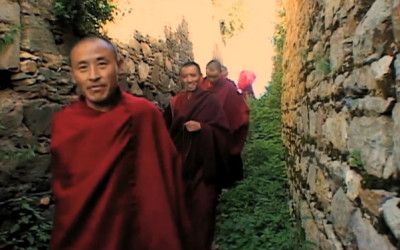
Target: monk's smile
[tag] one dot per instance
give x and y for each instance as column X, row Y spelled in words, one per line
column 97, row 87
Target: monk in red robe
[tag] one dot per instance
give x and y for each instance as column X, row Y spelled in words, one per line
column 248, row 91
column 116, row 174
column 200, row 132
column 236, row 111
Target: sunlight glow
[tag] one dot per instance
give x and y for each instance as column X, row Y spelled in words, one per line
column 250, row 49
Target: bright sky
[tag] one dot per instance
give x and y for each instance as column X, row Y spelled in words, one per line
column 251, row 49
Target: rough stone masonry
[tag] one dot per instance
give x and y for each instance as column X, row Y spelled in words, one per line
column 341, row 121
column 35, row 82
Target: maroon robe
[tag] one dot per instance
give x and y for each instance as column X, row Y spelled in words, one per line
column 231, row 81
column 116, row 179
column 204, row 155
column 237, row 113
column 248, row 91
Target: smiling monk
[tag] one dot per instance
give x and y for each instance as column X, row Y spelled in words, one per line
column 116, row 174
column 237, row 113
column 200, row 131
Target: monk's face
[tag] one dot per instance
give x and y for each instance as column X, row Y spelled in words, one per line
column 190, row 77
column 213, row 74
column 95, row 71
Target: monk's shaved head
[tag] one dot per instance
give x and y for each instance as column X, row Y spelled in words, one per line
column 106, row 42
column 214, row 71
column 191, row 63
column 214, row 65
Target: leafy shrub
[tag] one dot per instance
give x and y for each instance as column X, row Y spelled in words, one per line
column 23, row 224
column 255, row 214
column 323, row 64
column 21, row 154
column 31, row 230
column 355, row 159
column 86, row 16
column 9, row 37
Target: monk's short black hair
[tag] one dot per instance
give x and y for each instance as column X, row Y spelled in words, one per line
column 191, row 63
column 92, row 37
column 216, row 63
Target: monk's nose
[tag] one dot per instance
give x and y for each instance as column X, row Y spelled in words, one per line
column 94, row 74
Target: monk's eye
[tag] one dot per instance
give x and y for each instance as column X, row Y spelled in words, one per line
column 82, row 67
column 103, row 64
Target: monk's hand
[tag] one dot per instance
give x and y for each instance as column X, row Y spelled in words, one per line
column 192, row 126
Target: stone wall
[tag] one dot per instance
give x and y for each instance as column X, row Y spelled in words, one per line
column 341, row 120
column 35, row 82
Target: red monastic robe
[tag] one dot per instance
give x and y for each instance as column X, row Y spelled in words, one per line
column 204, row 155
column 231, row 81
column 116, row 180
column 248, row 91
column 237, row 113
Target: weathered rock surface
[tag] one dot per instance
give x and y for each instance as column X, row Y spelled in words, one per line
column 367, row 237
column 340, row 120
column 391, row 213
column 342, row 211
column 10, row 15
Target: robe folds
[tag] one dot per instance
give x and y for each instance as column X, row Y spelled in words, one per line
column 205, row 149
column 204, row 155
column 116, row 180
column 238, row 116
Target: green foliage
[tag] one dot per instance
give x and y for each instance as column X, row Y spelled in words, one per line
column 9, row 37
column 323, row 64
column 255, row 214
column 123, row 12
column 24, row 224
column 21, row 154
column 31, row 230
column 355, row 159
column 303, row 55
column 231, row 24
column 369, row 181
column 86, row 16
column 279, row 38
